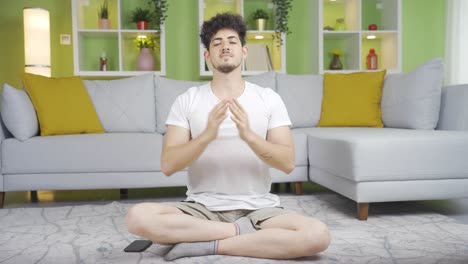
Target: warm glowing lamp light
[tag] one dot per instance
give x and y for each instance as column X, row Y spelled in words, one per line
column 371, row 37
column 36, row 41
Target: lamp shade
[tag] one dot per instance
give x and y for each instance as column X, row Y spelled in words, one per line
column 37, row 41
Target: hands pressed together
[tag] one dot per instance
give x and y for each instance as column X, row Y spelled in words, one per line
column 239, row 116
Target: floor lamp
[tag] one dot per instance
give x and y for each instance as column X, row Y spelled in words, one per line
column 37, row 41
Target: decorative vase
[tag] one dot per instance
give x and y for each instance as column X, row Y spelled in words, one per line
column 104, row 23
column 336, row 64
column 142, row 25
column 145, row 61
column 261, row 24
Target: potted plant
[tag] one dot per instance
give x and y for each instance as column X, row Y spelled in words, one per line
column 260, row 16
column 103, row 16
column 141, row 17
column 145, row 45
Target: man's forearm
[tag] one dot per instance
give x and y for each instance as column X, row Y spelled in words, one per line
column 278, row 156
column 176, row 158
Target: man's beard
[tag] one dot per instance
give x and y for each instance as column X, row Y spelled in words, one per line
column 226, row 68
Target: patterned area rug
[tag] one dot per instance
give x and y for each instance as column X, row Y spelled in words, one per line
column 394, row 233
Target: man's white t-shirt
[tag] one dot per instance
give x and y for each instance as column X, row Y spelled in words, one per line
column 228, row 175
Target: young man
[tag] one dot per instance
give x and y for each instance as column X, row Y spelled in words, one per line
column 228, row 133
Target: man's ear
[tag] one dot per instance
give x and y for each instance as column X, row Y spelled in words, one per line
column 206, row 54
column 245, row 51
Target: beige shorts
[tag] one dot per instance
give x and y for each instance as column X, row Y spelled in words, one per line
column 256, row 216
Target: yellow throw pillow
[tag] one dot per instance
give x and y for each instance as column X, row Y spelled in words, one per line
column 63, row 105
column 352, row 99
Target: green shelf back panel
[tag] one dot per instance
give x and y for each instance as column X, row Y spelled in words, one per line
column 213, row 7
column 370, row 14
column 250, row 7
column 332, row 11
column 92, row 46
column 130, row 52
column 90, row 13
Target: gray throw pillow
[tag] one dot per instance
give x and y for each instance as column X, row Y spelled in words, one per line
column 18, row 113
column 166, row 92
column 124, row 105
column 412, row 100
column 302, row 95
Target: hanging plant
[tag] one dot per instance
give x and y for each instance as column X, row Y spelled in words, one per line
column 283, row 7
column 160, row 9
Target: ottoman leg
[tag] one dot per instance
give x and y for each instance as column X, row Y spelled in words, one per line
column 2, row 199
column 362, row 211
column 298, row 188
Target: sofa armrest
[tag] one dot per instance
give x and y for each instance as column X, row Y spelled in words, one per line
column 454, row 108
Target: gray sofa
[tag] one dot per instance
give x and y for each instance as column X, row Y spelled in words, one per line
column 364, row 164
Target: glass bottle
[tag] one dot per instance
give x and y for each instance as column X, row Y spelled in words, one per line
column 372, row 61
column 340, row 24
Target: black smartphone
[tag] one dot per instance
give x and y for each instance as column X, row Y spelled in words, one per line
column 138, row 246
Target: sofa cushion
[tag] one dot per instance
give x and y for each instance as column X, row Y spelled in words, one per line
column 62, row 104
column 352, row 100
column 111, row 152
column 166, row 91
column 18, row 113
column 302, row 95
column 412, row 100
column 454, row 108
column 388, row 154
column 124, row 105
column 265, row 80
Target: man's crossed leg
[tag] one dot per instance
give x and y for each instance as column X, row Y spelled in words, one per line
column 284, row 236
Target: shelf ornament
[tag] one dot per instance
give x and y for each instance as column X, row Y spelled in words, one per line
column 145, row 60
column 335, row 63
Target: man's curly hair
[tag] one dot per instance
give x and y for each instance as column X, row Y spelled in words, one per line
column 223, row 21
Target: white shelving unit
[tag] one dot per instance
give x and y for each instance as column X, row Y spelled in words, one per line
column 355, row 41
column 277, row 53
column 89, row 42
